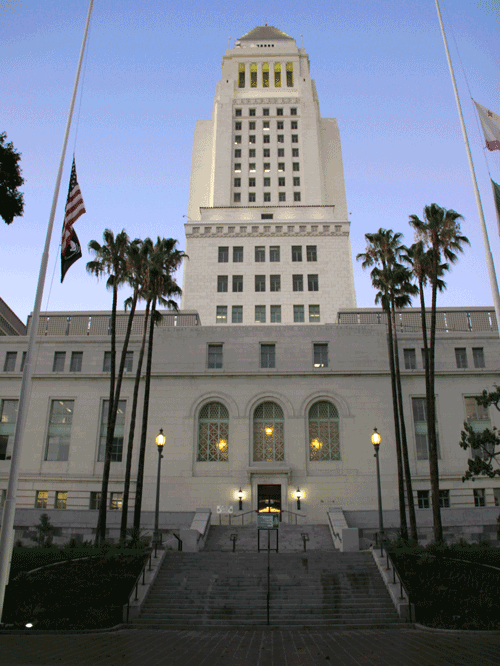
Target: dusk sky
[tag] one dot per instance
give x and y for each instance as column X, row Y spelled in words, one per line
column 150, row 74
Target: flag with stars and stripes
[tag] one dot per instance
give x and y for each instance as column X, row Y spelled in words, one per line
column 71, row 250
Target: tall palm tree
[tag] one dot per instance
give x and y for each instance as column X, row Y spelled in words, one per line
column 165, row 259
column 441, row 235
column 109, row 260
column 384, row 250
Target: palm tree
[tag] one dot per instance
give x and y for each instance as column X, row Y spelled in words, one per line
column 384, row 250
column 441, row 235
column 165, row 259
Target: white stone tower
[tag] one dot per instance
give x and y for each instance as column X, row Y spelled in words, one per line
column 267, row 232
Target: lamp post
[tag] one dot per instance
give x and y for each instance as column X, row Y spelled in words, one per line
column 240, row 499
column 298, row 496
column 376, row 439
column 160, row 442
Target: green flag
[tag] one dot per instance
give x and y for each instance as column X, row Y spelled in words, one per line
column 496, row 196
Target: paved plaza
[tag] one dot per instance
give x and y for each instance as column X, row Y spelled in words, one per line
column 128, row 647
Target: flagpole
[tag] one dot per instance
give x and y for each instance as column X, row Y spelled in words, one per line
column 486, row 242
column 9, row 510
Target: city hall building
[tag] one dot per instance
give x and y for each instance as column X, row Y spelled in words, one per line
column 268, row 380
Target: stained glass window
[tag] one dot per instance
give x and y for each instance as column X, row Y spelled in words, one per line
column 324, row 438
column 268, row 433
column 213, row 433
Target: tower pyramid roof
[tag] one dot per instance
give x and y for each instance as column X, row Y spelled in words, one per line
column 265, row 32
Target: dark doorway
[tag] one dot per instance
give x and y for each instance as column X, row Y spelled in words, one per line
column 269, row 499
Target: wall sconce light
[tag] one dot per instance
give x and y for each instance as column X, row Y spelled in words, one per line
column 240, row 499
column 222, row 444
column 268, row 430
column 298, row 495
column 316, row 444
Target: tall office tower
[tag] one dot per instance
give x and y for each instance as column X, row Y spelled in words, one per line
column 267, row 232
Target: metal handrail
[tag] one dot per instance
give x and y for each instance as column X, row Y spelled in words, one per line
column 293, row 513
column 240, row 515
column 136, row 584
column 336, row 535
column 402, row 586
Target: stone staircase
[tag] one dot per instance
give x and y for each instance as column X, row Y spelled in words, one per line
column 290, row 539
column 319, row 588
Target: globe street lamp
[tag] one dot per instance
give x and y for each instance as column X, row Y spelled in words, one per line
column 160, row 442
column 240, row 499
column 376, row 439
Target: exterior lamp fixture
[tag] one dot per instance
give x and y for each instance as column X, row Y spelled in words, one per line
column 376, row 439
column 268, row 430
column 316, row 444
column 160, row 442
column 222, row 444
column 298, row 495
column 240, row 499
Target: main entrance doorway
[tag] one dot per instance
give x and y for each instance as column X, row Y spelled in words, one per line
column 269, row 498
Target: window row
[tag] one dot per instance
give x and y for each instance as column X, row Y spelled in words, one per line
column 266, row 197
column 265, row 70
column 266, row 124
column 260, row 314
column 280, row 111
column 260, row 283
column 479, row 495
column 266, row 152
column 266, row 138
column 61, row 500
column 215, row 355
column 75, row 364
column 267, row 182
column 311, row 253
column 266, row 167
column 410, row 358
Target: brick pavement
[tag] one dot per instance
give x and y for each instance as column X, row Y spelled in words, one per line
column 128, row 647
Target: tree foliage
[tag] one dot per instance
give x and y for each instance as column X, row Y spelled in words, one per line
column 11, row 200
column 484, row 445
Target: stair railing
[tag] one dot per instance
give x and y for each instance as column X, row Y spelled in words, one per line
column 395, row 573
column 293, row 513
column 142, row 575
column 241, row 515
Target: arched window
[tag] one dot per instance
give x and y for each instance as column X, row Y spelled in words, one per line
column 213, row 431
column 277, row 75
column 253, row 75
column 324, row 438
column 265, row 75
column 289, row 74
column 268, row 433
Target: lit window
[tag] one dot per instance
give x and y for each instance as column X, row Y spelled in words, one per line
column 260, row 314
column 265, row 125
column 280, row 138
column 237, row 197
column 314, row 314
column 296, row 196
column 324, row 436
column 221, row 316
column 289, row 74
column 296, row 253
column 267, row 196
column 423, row 499
column 221, row 283
column 274, row 253
column 117, row 445
column 260, row 283
column 238, row 283
column 268, row 435
column 223, row 255
column 275, row 283
column 478, row 357
column 61, row 499
column 10, row 362
column 444, row 499
column 281, row 166
column 320, row 350
column 251, row 167
column 253, row 75
column 282, row 196
column 277, row 75
column 312, row 283
column 241, row 75
column 115, row 501
column 479, row 497
column 8, row 420
column 237, row 167
column 461, row 357
column 410, row 357
column 59, row 361
column 213, row 433
column 238, row 254
column 275, row 314
column 237, row 314
column 41, row 499
column 298, row 314
column 214, row 359
column 296, row 166
column 59, row 431
column 267, row 182
column 267, row 166
column 265, row 75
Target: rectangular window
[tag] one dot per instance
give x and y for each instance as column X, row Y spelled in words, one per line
column 95, row 501
column 410, row 359
column 76, row 362
column 237, row 314
column 275, row 283
column 251, row 182
column 275, row 314
column 260, row 253
column 238, row 254
column 221, row 316
column 279, row 112
column 267, row 356
column 496, row 496
column 260, row 314
column 266, row 216
column 223, row 255
column 237, row 182
column 129, row 361
column 221, row 283
column 280, row 138
column 237, row 167
column 251, row 197
column 281, row 166
column 296, row 166
column 293, row 111
column 423, row 499
column 106, row 365
column 251, row 138
column 320, row 350
column 59, row 432
column 8, row 419
column 295, row 152
column 314, row 314
column 420, row 423
column 260, row 283
column 23, row 359
column 298, row 282
column 479, row 497
column 115, row 501
column 296, row 181
column 237, row 152
column 251, row 153
column 281, row 181
column 251, row 124
column 478, row 357
column 274, row 253
column 444, row 499
column 237, row 197
column 241, row 75
column 10, row 362
column 296, row 196
column 311, row 253
column 267, row 152
column 298, row 314
column 267, row 166
column 281, row 152
column 61, row 499
column 237, row 283
column 289, row 74
column 267, row 182
column 237, row 112
column 267, row 196
column 265, row 112
column 282, row 196
column 251, row 112
column 295, row 138
column 265, row 75
column 253, row 75
column 424, row 358
column 41, row 499
column 237, row 125
column 59, row 360
column 237, row 139
column 461, row 357
column 117, row 445
column 296, row 253
column 266, row 139
column 214, row 356
column 312, row 283
column 294, row 124
column 478, row 418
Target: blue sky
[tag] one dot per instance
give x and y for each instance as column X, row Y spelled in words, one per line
column 150, row 73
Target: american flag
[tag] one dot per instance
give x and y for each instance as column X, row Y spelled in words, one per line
column 71, row 250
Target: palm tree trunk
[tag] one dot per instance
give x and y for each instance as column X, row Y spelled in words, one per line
column 404, row 443
column 401, row 487
column 142, row 450
column 130, row 447
column 100, row 535
column 431, row 420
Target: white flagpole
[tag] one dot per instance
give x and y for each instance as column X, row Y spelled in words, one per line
column 9, row 510
column 486, row 242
